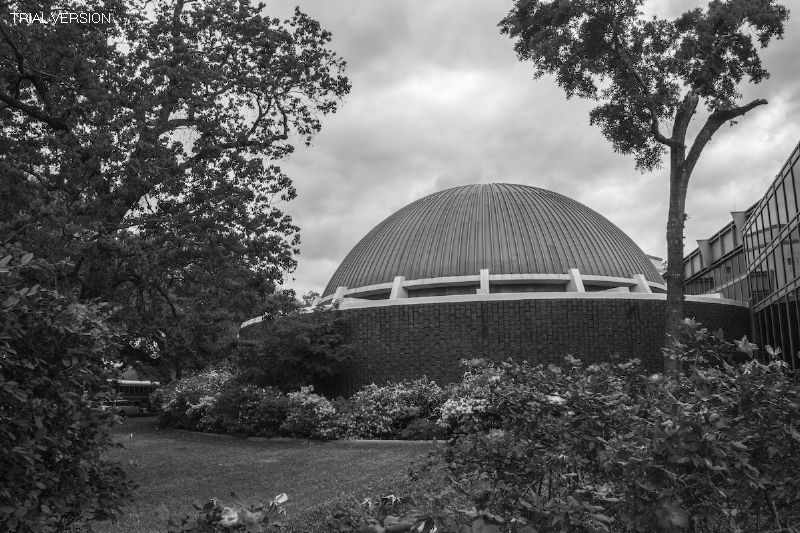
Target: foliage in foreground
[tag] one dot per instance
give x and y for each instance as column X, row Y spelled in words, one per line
column 605, row 448
column 52, row 378
column 213, row 517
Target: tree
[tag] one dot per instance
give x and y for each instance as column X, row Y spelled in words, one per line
column 294, row 349
column 139, row 155
column 646, row 73
column 309, row 298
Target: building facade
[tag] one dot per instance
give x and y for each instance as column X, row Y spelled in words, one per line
column 502, row 271
column 754, row 259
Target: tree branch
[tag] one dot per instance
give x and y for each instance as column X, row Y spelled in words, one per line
column 17, row 53
column 26, row 74
column 57, row 123
column 168, row 299
column 713, row 123
column 723, row 115
column 683, row 116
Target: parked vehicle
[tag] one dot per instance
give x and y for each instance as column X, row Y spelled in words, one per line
column 136, row 393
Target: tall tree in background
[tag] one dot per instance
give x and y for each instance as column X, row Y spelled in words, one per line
column 650, row 77
column 138, row 156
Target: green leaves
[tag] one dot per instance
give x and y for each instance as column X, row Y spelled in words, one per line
column 143, row 165
column 704, row 449
column 213, row 516
column 48, row 411
column 641, row 69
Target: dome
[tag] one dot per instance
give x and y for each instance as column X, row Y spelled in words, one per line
column 513, row 230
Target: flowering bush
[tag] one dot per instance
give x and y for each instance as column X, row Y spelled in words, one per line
column 310, row 415
column 189, row 402
column 469, row 400
column 605, row 448
column 386, row 412
column 250, row 410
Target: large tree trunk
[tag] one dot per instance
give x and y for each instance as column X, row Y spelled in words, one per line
column 679, row 172
column 675, row 282
column 676, row 219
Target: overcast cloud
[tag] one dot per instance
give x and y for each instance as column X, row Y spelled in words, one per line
column 440, row 100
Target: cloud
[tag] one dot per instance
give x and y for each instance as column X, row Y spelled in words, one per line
column 439, row 100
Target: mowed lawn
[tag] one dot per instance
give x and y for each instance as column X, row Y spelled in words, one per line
column 177, row 467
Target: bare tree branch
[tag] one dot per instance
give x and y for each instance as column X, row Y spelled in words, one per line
column 713, row 123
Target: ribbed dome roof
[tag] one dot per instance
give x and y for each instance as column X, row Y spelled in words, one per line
column 507, row 228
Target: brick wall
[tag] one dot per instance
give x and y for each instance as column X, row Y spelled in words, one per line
column 407, row 341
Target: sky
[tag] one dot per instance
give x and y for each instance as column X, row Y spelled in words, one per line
column 439, row 100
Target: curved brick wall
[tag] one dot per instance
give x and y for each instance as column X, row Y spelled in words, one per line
column 406, row 341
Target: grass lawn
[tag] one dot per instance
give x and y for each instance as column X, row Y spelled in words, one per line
column 178, row 467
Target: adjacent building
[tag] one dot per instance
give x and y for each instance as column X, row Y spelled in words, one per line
column 754, row 258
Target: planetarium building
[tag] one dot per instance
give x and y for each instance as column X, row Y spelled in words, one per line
column 498, row 271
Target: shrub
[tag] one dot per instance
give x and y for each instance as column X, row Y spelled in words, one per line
column 422, row 429
column 387, row 411
column 250, row 410
column 52, row 378
column 189, row 402
column 310, row 415
column 601, row 447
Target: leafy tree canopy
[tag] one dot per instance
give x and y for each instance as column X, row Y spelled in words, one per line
column 643, row 69
column 139, row 156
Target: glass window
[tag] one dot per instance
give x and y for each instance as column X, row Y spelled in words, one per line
column 727, row 271
column 780, row 268
column 751, row 249
column 781, row 199
column 770, row 287
column 756, row 278
column 791, row 198
column 788, row 259
column 772, row 207
column 795, row 177
column 738, row 265
column 761, row 231
column 716, row 249
column 792, row 250
column 727, row 241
